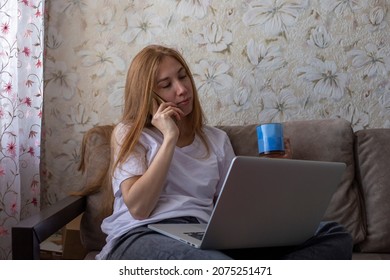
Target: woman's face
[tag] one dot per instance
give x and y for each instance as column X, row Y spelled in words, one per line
column 174, row 85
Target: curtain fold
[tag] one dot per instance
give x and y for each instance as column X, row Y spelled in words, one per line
column 21, row 100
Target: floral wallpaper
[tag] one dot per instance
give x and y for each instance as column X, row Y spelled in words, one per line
column 253, row 62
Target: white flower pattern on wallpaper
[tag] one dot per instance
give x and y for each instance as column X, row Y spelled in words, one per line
column 376, row 17
column 320, row 37
column 193, row 8
column 275, row 15
column 104, row 21
column 53, row 38
column 212, row 75
column 59, row 79
column 70, row 7
column 382, row 93
column 265, row 58
column 243, row 84
column 373, row 60
column 142, row 27
column 103, row 59
column 115, row 98
column 356, row 117
column 80, row 119
column 342, row 6
column 240, row 99
column 278, row 106
column 214, row 38
column 68, row 161
column 326, row 80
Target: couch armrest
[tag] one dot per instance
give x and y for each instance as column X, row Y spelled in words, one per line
column 29, row 233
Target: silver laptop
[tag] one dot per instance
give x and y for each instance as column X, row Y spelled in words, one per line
column 264, row 203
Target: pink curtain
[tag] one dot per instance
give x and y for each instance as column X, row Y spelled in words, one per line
column 21, row 99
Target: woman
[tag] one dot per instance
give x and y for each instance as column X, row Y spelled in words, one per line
column 168, row 166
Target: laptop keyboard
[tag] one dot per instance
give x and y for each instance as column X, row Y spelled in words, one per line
column 196, row 234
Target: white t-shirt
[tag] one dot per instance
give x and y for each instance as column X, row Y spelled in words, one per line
column 193, row 180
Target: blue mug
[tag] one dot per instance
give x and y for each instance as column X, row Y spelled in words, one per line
column 270, row 139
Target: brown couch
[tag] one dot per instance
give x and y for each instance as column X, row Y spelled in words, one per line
column 361, row 203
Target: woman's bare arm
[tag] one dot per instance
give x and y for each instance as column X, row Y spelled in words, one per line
column 141, row 193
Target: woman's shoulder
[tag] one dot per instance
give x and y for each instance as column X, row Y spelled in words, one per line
column 213, row 130
column 219, row 142
column 215, row 134
column 121, row 126
column 120, row 130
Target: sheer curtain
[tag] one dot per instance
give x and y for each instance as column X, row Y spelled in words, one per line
column 21, row 99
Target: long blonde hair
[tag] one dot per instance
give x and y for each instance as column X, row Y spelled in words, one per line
column 140, row 82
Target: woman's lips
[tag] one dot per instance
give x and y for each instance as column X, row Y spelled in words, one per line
column 184, row 102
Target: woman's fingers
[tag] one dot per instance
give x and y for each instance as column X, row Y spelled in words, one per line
column 166, row 117
column 171, row 110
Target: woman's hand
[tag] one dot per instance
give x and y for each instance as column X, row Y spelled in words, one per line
column 165, row 117
column 287, row 151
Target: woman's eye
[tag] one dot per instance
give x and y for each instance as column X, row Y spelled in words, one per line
column 166, row 85
column 182, row 77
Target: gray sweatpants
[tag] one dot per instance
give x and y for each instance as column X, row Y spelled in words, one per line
column 330, row 242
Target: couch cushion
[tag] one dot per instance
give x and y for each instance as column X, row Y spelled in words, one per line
column 373, row 154
column 96, row 152
column 325, row 140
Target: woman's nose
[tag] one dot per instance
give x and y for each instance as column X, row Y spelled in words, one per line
column 180, row 88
